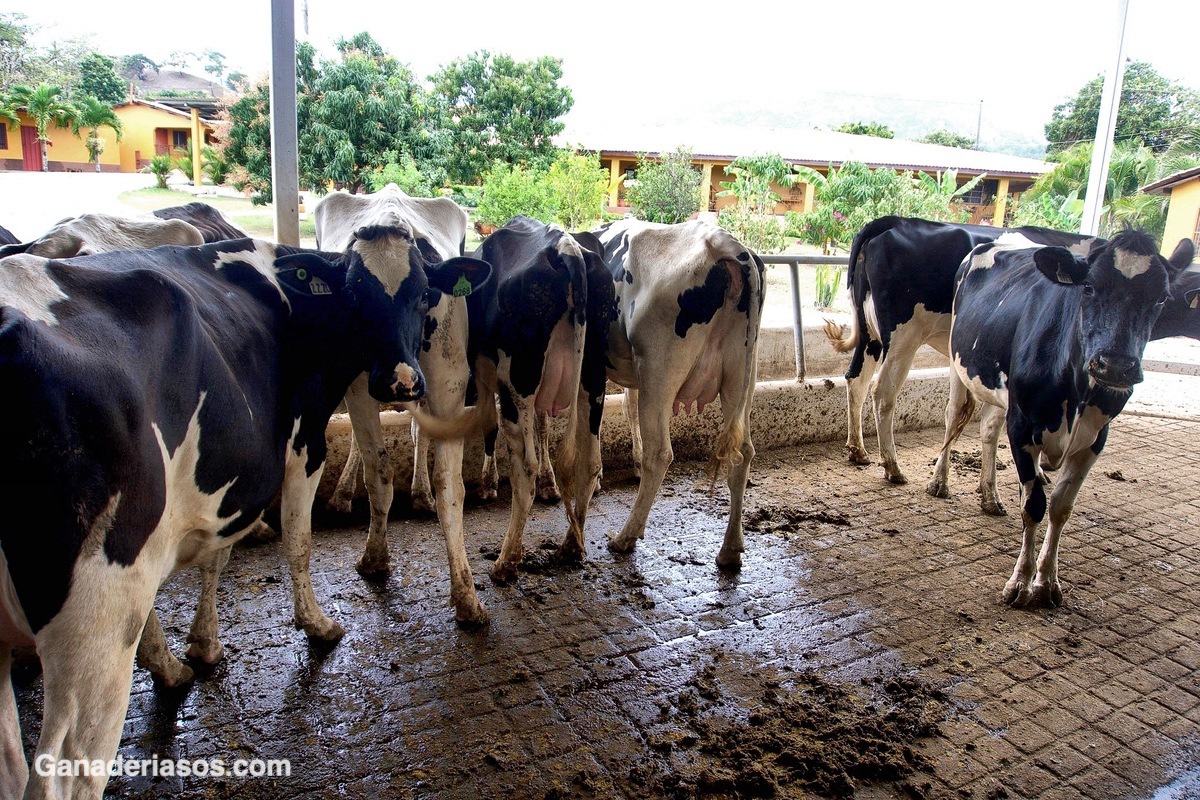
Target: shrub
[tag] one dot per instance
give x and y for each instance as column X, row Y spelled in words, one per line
column 401, row 170
column 760, row 232
column 160, row 167
column 578, row 186
column 214, row 164
column 828, row 281
column 508, row 191
column 666, row 191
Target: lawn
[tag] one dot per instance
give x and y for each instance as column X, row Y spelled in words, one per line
column 258, row 221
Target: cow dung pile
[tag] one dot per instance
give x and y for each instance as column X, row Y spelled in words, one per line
column 806, row 736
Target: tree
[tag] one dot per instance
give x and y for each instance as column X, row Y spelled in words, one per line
column 247, row 144
column 867, row 129
column 578, row 186
column 237, row 81
column 98, row 77
column 136, row 67
column 14, row 50
column 753, row 219
column 667, row 190
column 1152, row 112
column 215, row 65
column 496, row 107
column 948, row 139
column 93, row 115
column 46, row 105
column 511, row 190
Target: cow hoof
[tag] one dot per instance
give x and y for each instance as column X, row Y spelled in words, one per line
column 487, row 493
column 340, row 503
column 548, row 493
column 262, row 532
column 897, row 478
column 569, row 552
column 1042, row 595
column 857, row 456
column 619, row 544
column 993, row 508
column 373, row 566
column 729, row 559
column 472, row 617
column 323, row 629
column 422, row 502
column 1015, row 594
column 209, row 651
column 175, row 675
column 503, row 572
column 938, row 489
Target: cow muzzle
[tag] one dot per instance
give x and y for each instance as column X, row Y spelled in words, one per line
column 1115, row 371
column 401, row 385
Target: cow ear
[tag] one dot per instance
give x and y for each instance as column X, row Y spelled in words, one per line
column 1060, row 265
column 308, row 274
column 1182, row 257
column 458, row 276
column 1192, row 298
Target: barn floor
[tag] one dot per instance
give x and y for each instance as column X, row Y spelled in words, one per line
column 860, row 650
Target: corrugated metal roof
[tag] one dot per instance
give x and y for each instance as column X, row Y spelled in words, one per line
column 811, row 147
column 1169, row 182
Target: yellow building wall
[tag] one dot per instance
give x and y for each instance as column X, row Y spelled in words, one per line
column 139, row 123
column 1182, row 215
column 66, row 150
column 13, row 152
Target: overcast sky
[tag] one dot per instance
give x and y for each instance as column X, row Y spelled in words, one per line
column 650, row 60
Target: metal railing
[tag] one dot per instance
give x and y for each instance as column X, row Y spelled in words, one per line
column 794, row 262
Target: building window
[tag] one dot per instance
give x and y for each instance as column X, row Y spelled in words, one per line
column 984, row 191
column 179, row 139
column 3, row 135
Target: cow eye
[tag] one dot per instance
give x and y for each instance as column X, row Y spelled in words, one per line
column 1089, row 289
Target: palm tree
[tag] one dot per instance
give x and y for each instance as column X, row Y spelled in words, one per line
column 93, row 115
column 46, row 105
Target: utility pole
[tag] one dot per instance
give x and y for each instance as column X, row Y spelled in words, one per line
column 285, row 160
column 1106, row 125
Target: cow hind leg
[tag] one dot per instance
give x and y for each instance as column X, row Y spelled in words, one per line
column 13, row 769
column 204, row 641
column 629, row 406
column 905, row 342
column 856, row 395
column 489, row 477
column 579, row 463
column 524, row 449
column 342, row 498
column 654, row 416
column 730, row 555
column 154, row 655
column 990, row 425
column 421, row 492
column 959, row 408
column 547, row 487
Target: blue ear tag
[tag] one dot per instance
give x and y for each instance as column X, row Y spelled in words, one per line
column 462, row 287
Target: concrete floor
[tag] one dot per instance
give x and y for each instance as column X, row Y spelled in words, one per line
column 609, row 680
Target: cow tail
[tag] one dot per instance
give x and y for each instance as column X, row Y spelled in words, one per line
column 858, row 337
column 843, row 338
column 475, row 421
column 728, row 452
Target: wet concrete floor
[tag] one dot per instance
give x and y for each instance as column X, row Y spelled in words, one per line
column 629, row 676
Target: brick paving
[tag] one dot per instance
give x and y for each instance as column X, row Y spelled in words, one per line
column 565, row 693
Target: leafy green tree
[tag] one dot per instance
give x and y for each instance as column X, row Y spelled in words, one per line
column 1152, row 112
column 136, row 66
column 215, row 64
column 867, row 129
column 753, row 219
column 93, row 115
column 578, row 186
column 667, row 190
column 246, row 145
column 401, row 170
column 948, row 139
column 237, row 81
column 498, row 108
column 46, row 105
column 98, row 77
column 14, row 49
column 511, row 190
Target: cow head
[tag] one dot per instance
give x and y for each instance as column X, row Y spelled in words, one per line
column 392, row 281
column 1123, row 285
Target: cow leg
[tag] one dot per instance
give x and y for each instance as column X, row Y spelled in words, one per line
column 905, row 342
column 730, row 555
column 421, row 491
column 489, row 477
column 87, row 654
column 959, row 408
column 1033, row 509
column 654, row 415
column 579, row 464
column 524, row 450
column 547, row 489
column 204, row 641
column 989, row 435
column 856, row 395
column 299, row 489
column 13, row 769
column 377, row 475
column 629, row 405
column 154, row 655
column 449, row 495
column 342, row 499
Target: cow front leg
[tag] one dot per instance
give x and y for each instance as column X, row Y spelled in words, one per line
column 14, row 772
column 856, row 395
column 204, row 641
column 377, row 475
column 654, row 413
column 959, row 408
column 449, row 494
column 1033, row 510
column 1045, row 590
column 299, row 489
column 154, row 655
column 989, row 436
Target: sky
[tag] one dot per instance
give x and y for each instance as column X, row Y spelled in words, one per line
column 1000, row 66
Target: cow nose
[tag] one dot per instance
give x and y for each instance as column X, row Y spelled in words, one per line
column 1115, row 369
column 410, row 384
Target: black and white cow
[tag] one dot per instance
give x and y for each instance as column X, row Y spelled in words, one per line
column 1051, row 344
column 163, row 398
column 901, row 284
column 204, row 217
column 7, row 236
column 538, row 333
column 88, row 234
column 689, row 305
column 1181, row 315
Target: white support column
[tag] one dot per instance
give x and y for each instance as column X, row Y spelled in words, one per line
column 1106, row 124
column 285, row 160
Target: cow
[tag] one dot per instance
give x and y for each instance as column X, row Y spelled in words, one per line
column 163, row 398
column 92, row 233
column 689, row 306
column 1051, row 344
column 1180, row 316
column 206, row 218
column 901, row 284
column 7, row 237
column 538, row 336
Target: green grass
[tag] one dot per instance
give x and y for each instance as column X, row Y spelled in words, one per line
column 258, row 221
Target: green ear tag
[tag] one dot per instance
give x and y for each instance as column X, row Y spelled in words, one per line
column 462, row 287
column 301, row 274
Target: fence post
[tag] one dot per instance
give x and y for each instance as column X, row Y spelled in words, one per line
column 797, row 324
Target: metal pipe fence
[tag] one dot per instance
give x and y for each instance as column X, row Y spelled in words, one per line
column 794, row 262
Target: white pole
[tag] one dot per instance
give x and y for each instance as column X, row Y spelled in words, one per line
column 285, row 161
column 1106, row 124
